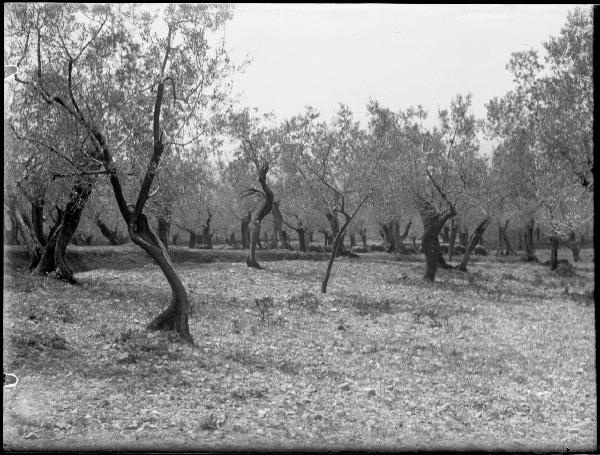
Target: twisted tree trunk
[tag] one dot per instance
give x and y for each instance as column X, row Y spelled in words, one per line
column 475, row 238
column 433, row 221
column 54, row 252
column 264, row 211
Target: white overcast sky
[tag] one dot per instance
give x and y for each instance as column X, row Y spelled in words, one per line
column 400, row 55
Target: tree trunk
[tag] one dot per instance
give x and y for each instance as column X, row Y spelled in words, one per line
column 232, row 240
column 192, row 241
column 453, row 234
column 553, row 252
column 163, row 231
column 463, row 236
column 501, row 236
column 277, row 226
column 54, row 252
column 520, row 247
column 113, row 238
column 433, row 221
column 264, row 211
column 335, row 228
column 352, row 239
column 32, row 244
column 575, row 245
column 363, row 236
column 477, row 234
column 302, row 239
column 446, row 234
column 175, row 317
column 206, row 234
column 37, row 219
column 440, row 255
column 529, row 255
column 174, row 239
column 245, row 231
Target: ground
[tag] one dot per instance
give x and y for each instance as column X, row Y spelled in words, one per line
column 502, row 357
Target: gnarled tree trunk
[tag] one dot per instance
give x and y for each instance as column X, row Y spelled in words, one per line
column 175, row 317
column 433, row 221
column 54, row 252
column 264, row 211
column 475, row 238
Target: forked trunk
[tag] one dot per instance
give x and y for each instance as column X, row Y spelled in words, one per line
column 433, row 221
column 475, row 238
column 54, row 255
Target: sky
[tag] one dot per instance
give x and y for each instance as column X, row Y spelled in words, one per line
column 400, row 55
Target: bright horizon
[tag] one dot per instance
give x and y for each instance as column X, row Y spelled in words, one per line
column 400, row 55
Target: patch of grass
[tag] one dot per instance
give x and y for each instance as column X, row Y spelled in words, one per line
column 306, row 300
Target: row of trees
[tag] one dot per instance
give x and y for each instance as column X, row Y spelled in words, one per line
column 135, row 106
